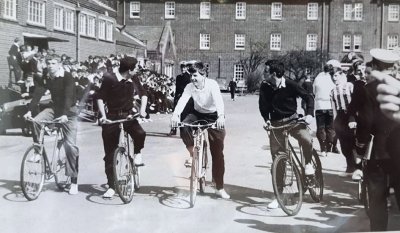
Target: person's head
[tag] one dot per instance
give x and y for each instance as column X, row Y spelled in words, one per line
column 383, row 60
column 277, row 69
column 53, row 63
column 90, row 58
column 17, row 40
column 28, row 48
column 198, row 72
column 268, row 65
column 127, row 64
column 183, row 66
column 335, row 66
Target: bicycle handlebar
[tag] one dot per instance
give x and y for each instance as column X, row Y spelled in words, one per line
column 44, row 122
column 109, row 122
column 209, row 125
column 287, row 125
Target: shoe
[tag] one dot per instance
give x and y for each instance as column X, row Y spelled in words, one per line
column 138, row 160
column 73, row 190
column 309, row 169
column 222, row 194
column 357, row 175
column 35, row 158
column 273, row 204
column 109, row 193
column 188, row 162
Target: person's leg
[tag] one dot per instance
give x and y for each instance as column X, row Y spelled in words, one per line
column 303, row 136
column 277, row 142
column 329, row 131
column 110, row 135
column 138, row 134
column 321, row 135
column 46, row 115
column 70, row 130
column 186, row 132
column 346, row 138
column 216, row 138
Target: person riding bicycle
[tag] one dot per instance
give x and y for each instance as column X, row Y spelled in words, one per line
column 61, row 85
column 208, row 106
column 117, row 92
column 277, row 105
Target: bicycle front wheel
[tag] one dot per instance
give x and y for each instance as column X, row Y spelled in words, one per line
column 287, row 184
column 202, row 180
column 60, row 176
column 32, row 173
column 317, row 187
column 123, row 175
column 193, row 176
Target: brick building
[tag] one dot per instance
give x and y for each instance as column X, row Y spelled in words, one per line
column 218, row 32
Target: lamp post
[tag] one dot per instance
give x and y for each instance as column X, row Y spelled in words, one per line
column 219, row 67
column 78, row 11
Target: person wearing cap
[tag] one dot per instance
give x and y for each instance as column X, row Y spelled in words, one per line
column 182, row 80
column 64, row 110
column 208, row 106
column 322, row 87
column 373, row 125
column 278, row 106
column 117, row 92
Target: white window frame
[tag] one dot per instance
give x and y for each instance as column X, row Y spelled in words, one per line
column 36, row 13
column 91, row 25
column 205, row 10
column 169, row 69
column 276, row 11
column 109, row 30
column 353, row 12
column 240, row 10
column 69, row 25
column 134, row 8
column 358, row 11
column 240, row 41
column 312, row 11
column 347, row 11
column 102, row 29
column 357, row 42
column 393, row 12
column 346, row 42
column 58, row 17
column 10, row 9
column 392, row 42
column 169, row 10
column 82, row 23
column 205, row 41
column 238, row 72
column 312, row 42
column 275, row 41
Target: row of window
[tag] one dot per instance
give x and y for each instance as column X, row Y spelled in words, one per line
column 352, row 11
column 350, row 42
column 64, row 19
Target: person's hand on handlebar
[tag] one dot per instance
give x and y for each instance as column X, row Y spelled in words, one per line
column 267, row 125
column 308, row 119
column 104, row 120
column 221, row 122
column 28, row 115
column 62, row 119
column 175, row 120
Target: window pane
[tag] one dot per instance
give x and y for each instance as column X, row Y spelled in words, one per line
column 393, row 42
column 240, row 40
column 238, row 72
column 276, row 10
column 393, row 14
column 346, row 42
column 204, row 41
column 311, row 42
column 205, row 10
column 82, row 24
column 135, row 9
column 240, row 10
column 312, row 11
column 348, row 9
column 169, row 10
column 275, row 43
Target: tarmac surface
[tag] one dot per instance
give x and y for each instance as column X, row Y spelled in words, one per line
column 162, row 203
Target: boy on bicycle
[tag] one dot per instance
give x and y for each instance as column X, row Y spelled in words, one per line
column 117, row 92
column 278, row 105
column 61, row 85
column 208, row 106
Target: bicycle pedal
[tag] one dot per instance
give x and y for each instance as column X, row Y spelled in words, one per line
column 139, row 165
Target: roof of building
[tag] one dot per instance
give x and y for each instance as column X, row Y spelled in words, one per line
column 122, row 37
column 150, row 34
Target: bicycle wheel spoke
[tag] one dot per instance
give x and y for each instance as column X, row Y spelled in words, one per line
column 123, row 175
column 32, row 173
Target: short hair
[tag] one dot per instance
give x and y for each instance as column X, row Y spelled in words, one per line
column 198, row 67
column 16, row 40
column 53, row 57
column 277, row 68
column 270, row 62
column 127, row 63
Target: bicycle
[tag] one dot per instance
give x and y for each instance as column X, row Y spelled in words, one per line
column 363, row 196
column 126, row 174
column 36, row 167
column 288, row 173
column 200, row 158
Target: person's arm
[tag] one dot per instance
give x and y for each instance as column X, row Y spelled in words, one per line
column 187, row 93
column 38, row 92
column 264, row 104
column 333, row 104
column 219, row 103
column 69, row 92
column 308, row 98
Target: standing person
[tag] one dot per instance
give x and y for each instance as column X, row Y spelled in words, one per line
column 208, row 106
column 322, row 88
column 62, row 89
column 232, row 88
column 16, row 60
column 117, row 92
column 278, row 105
column 182, row 80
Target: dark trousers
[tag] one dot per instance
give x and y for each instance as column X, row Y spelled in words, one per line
column 70, row 130
column 110, row 134
column 325, row 132
column 346, row 138
column 233, row 93
column 216, row 138
column 17, row 70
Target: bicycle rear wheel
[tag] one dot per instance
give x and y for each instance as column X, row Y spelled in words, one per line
column 317, row 189
column 365, row 196
column 123, row 175
column 32, row 173
column 193, row 177
column 60, row 176
column 202, row 180
column 287, row 184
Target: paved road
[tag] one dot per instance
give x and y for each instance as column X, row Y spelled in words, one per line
column 162, row 205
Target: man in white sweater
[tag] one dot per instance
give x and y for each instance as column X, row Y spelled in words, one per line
column 208, row 106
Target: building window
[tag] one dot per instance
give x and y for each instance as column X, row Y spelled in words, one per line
column 276, row 11
column 69, row 20
column 170, row 10
column 36, row 12
column 392, row 42
column 91, row 26
column 393, row 12
column 205, row 10
column 205, row 41
column 109, row 31
column 82, row 24
column 134, row 10
column 10, row 9
column 357, row 42
column 311, row 42
column 102, row 29
column 240, row 41
column 240, row 10
column 169, row 69
column 238, row 72
column 275, row 43
column 353, row 12
column 312, row 11
column 346, row 42
column 58, row 18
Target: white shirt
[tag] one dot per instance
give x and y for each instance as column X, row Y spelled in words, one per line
column 206, row 100
column 322, row 88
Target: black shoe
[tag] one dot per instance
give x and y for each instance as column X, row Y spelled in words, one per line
column 172, row 132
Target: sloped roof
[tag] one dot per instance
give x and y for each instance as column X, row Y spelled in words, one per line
column 151, row 34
